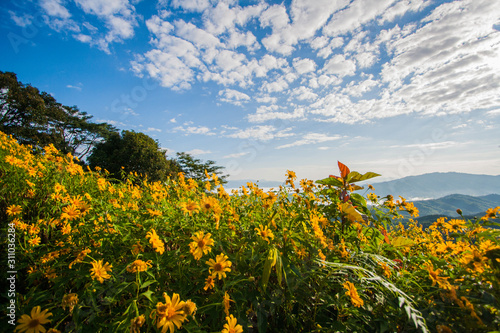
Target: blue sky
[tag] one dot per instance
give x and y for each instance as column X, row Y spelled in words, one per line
column 396, row 87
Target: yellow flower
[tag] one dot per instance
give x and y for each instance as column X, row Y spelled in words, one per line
column 190, row 207
column 33, row 323
column 434, row 275
column 475, row 260
column 169, row 314
column 385, row 268
column 157, row 243
column 353, row 294
column 220, row 266
column 136, row 324
column 189, row 308
column 264, row 232
column 231, row 326
column 100, row 271
column 226, row 301
column 137, row 248
column 34, row 241
column 139, row 266
column 209, row 282
column 209, row 204
column 69, row 300
column 14, row 210
column 201, row 244
column 70, row 212
column 154, row 212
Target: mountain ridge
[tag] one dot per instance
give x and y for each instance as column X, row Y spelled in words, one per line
column 439, row 184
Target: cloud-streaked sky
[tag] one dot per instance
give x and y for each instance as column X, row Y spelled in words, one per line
column 396, row 87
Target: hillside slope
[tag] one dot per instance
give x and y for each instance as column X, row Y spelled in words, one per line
column 438, row 184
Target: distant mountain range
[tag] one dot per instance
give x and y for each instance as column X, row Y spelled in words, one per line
column 448, row 205
column 438, row 185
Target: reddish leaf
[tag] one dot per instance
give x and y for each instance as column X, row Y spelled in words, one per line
column 344, row 170
column 384, row 232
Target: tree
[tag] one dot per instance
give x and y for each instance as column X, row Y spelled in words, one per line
column 37, row 119
column 195, row 168
column 133, row 152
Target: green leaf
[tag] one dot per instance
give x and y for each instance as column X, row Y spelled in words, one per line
column 354, row 176
column 402, row 242
column 148, row 294
column 330, row 181
column 147, row 283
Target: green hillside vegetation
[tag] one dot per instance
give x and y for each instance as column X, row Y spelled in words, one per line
column 448, row 205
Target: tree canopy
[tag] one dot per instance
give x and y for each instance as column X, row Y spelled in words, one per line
column 37, row 119
column 133, row 152
column 195, row 168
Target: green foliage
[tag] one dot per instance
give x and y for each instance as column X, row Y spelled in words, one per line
column 195, row 168
column 133, row 152
column 37, row 119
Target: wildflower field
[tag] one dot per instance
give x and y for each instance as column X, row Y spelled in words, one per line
column 93, row 254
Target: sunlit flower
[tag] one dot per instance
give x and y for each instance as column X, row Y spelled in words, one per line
column 157, row 243
column 201, row 244
column 33, row 323
column 474, row 259
column 100, row 271
column 189, row 207
column 169, row 314
column 209, row 282
column 189, row 308
column 139, row 266
column 226, row 301
column 231, row 326
column 264, row 232
column 70, row 212
column 353, row 294
column 69, row 300
column 220, row 266
column 34, row 241
column 435, row 278
column 154, row 212
column 14, row 210
column 136, row 324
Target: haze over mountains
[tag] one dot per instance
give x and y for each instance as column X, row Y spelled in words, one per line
column 438, row 184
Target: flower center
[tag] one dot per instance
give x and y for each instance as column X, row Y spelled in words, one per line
column 201, row 243
column 218, row 267
column 34, row 323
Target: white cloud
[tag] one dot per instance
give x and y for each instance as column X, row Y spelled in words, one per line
column 303, row 93
column 263, row 133
column 265, row 113
column 21, row 21
column 198, row 152
column 429, row 145
column 191, row 5
column 77, row 87
column 355, row 15
column 203, row 130
column 236, row 155
column 118, row 15
column 152, row 129
column 340, row 66
column 303, row 66
column 55, row 8
column 233, row 96
column 167, row 68
column 311, row 138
